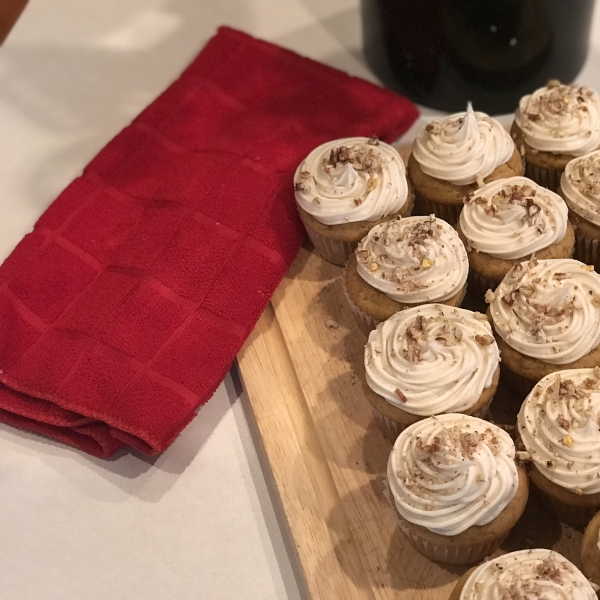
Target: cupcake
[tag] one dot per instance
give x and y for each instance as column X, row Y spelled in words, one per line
column 505, row 222
column 428, row 360
column 456, row 155
column 580, row 187
column 554, row 125
column 404, row 263
column 346, row 186
column 455, row 487
column 590, row 550
column 558, row 425
column 525, row 574
column 546, row 316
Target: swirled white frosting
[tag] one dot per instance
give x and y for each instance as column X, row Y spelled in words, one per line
column 463, row 147
column 513, row 218
column 561, row 119
column 350, row 180
column 580, row 184
column 527, row 574
column 450, row 472
column 548, row 309
column 413, row 260
column 559, row 423
column 431, row 359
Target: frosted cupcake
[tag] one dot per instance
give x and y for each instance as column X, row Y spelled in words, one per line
column 429, row 360
column 554, row 125
column 580, row 187
column 505, row 222
column 403, row 263
column 558, row 425
column 546, row 316
column 346, row 186
column 590, row 550
column 456, row 155
column 525, row 574
column 455, row 486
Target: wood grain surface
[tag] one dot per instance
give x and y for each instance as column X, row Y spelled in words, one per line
column 300, row 369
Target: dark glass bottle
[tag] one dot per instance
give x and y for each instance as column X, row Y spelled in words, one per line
column 442, row 53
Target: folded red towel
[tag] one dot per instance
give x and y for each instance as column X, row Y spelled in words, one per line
column 122, row 311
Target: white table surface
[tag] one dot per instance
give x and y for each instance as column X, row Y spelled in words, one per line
column 197, row 521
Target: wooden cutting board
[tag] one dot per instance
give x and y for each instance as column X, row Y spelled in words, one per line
column 328, row 459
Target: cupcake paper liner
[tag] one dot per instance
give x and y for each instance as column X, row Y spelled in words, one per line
column 411, row 205
column 446, row 212
column 519, row 384
column 587, row 250
column 338, row 252
column 446, row 553
column 479, row 285
column 366, row 322
column 548, row 178
column 391, row 429
column 578, row 516
column 333, row 251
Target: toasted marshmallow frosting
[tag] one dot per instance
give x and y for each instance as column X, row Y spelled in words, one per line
column 528, row 574
column 462, row 148
column 548, row 309
column 350, row 180
column 559, row 424
column 580, row 184
column 413, row 260
column 450, row 472
column 560, row 118
column 431, row 359
column 513, row 218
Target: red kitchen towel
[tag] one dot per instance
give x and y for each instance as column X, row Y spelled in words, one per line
column 122, row 311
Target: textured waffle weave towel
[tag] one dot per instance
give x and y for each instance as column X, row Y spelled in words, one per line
column 122, row 311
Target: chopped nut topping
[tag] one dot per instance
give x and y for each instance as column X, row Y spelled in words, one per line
column 567, row 441
column 400, row 395
column 508, row 299
column 362, row 158
column 484, row 340
column 548, row 570
column 372, row 183
column 489, row 296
